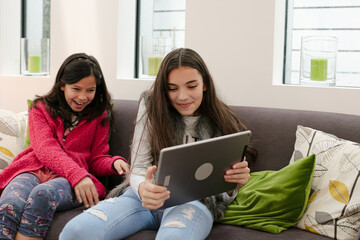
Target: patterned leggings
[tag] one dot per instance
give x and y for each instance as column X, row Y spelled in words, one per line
column 27, row 206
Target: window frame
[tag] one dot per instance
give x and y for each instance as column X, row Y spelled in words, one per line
column 157, row 35
column 289, row 72
column 16, row 12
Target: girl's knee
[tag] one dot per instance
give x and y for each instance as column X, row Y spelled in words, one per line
column 188, row 221
column 175, row 229
column 87, row 225
column 43, row 190
column 71, row 231
column 42, row 196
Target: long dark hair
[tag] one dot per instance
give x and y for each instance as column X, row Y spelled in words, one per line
column 74, row 68
column 159, row 108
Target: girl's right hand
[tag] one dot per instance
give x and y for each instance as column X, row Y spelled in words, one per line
column 86, row 192
column 152, row 196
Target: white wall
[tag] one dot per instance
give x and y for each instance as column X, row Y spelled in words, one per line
column 235, row 37
column 9, row 51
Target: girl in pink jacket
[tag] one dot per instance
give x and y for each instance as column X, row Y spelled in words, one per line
column 69, row 131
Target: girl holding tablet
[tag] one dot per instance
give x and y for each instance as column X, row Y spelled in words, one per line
column 181, row 107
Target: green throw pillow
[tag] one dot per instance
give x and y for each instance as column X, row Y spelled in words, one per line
column 27, row 140
column 272, row 201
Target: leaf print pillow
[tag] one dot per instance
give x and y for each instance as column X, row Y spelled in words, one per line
column 333, row 208
column 12, row 135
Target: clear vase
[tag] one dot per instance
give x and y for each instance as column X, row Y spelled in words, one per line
column 318, row 61
column 35, row 56
column 153, row 51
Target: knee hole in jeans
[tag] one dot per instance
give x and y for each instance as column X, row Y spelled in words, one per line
column 98, row 213
column 188, row 213
column 174, row 223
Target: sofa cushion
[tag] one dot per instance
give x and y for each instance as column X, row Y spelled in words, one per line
column 272, row 201
column 334, row 205
column 12, row 135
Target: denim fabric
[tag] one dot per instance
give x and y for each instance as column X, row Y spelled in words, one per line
column 27, row 206
column 117, row 218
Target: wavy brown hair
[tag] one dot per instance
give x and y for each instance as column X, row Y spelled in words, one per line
column 159, row 108
column 74, row 68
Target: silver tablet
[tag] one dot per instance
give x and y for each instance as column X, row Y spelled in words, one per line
column 196, row 170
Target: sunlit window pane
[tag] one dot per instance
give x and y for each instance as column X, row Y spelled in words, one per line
column 35, row 38
column 161, row 29
column 337, row 18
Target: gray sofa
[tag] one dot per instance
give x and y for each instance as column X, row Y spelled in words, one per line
column 273, row 137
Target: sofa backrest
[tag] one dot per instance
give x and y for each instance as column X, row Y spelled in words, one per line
column 273, row 130
column 122, row 130
column 125, row 112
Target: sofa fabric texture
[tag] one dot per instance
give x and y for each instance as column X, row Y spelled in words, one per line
column 273, row 135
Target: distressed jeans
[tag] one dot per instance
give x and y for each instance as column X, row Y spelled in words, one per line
column 120, row 217
column 27, row 205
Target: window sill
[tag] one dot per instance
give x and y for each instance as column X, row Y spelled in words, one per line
column 316, row 86
column 15, row 76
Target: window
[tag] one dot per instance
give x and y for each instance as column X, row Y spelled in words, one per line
column 36, row 18
column 35, row 37
column 335, row 18
column 21, row 19
column 160, row 28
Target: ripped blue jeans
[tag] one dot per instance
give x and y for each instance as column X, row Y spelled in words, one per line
column 27, row 206
column 117, row 218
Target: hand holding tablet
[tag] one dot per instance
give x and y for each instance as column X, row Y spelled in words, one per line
column 196, row 170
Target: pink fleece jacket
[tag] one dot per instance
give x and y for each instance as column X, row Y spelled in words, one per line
column 83, row 153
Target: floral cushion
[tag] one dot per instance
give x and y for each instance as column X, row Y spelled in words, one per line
column 12, row 135
column 333, row 208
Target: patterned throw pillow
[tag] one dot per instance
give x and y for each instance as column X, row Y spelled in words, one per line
column 333, row 208
column 12, row 135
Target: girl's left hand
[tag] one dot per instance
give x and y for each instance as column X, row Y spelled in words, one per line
column 239, row 173
column 121, row 166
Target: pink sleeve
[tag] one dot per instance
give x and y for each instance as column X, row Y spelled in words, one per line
column 47, row 148
column 101, row 163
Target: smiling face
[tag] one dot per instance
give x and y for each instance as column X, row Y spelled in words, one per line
column 80, row 94
column 186, row 90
